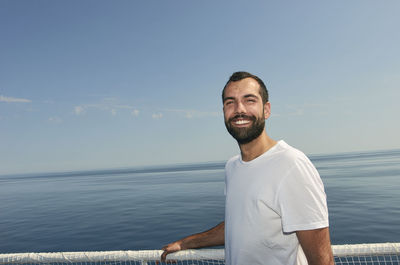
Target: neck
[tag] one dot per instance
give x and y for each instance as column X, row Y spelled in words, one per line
column 257, row 147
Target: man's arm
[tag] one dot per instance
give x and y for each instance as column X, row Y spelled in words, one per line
column 213, row 237
column 316, row 245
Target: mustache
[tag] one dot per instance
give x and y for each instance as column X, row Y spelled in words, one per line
column 242, row 116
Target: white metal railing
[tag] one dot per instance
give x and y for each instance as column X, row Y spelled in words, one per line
column 382, row 253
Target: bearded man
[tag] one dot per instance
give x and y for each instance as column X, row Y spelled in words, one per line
column 275, row 208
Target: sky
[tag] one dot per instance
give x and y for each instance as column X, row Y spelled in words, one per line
column 117, row 84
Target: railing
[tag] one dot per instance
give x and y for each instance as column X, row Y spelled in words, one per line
column 359, row 254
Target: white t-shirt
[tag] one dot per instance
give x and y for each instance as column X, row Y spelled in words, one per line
column 267, row 200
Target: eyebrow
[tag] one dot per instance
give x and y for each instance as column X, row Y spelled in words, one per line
column 228, row 98
column 245, row 96
column 250, row 96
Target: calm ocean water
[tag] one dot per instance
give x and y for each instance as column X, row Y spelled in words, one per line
column 147, row 208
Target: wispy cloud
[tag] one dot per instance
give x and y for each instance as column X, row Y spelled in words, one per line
column 55, row 119
column 190, row 114
column 296, row 110
column 157, row 116
column 14, row 100
column 111, row 105
column 78, row 110
column 135, row 112
column 108, row 105
column 302, row 109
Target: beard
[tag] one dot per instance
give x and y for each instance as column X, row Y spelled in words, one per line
column 248, row 134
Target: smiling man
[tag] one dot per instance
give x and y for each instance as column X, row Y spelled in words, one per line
column 275, row 211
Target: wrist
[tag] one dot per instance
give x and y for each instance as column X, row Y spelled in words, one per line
column 182, row 244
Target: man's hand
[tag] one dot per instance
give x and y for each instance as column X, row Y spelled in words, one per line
column 171, row 248
column 210, row 238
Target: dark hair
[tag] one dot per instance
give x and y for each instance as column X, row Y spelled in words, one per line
column 237, row 76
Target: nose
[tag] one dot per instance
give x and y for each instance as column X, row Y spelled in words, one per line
column 240, row 108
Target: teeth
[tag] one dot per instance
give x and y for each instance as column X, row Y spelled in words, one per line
column 239, row 122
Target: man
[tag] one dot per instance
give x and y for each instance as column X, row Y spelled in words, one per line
column 275, row 210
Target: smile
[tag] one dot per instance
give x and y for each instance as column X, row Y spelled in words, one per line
column 241, row 122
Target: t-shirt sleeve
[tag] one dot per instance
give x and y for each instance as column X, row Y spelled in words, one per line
column 302, row 199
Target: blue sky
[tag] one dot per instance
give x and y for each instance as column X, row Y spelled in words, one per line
column 110, row 84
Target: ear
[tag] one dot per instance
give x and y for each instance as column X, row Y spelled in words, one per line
column 267, row 110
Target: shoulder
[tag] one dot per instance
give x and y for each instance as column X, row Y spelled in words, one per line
column 233, row 160
column 298, row 165
column 290, row 154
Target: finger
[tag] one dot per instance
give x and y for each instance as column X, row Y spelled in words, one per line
column 164, row 256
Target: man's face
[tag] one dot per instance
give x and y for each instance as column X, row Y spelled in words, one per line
column 244, row 111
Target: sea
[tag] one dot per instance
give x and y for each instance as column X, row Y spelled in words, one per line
column 148, row 207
